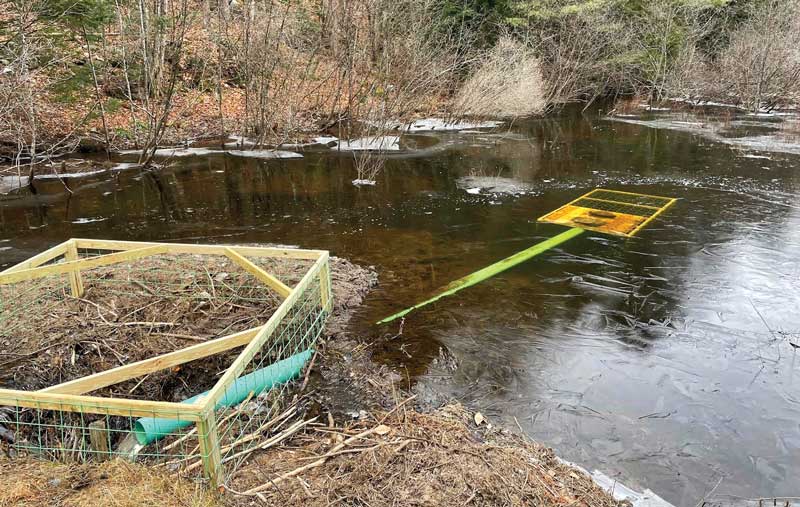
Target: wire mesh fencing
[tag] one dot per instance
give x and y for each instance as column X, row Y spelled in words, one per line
column 175, row 355
column 247, row 427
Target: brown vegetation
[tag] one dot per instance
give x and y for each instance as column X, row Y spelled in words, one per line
column 31, row 483
column 761, row 66
column 404, row 457
column 170, row 70
column 507, row 84
column 152, row 307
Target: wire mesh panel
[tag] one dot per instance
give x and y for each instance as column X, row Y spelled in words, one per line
column 260, row 377
column 121, row 353
column 91, row 431
column 610, row 211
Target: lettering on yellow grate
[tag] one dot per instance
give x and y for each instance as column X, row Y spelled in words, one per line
column 610, row 211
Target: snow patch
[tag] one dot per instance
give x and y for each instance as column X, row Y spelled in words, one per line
column 66, row 176
column 239, row 142
column 89, row 220
column 361, row 183
column 326, row 140
column 621, row 492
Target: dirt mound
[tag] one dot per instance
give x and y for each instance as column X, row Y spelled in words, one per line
column 350, row 284
column 404, row 457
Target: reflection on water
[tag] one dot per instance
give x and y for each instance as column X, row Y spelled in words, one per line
column 667, row 359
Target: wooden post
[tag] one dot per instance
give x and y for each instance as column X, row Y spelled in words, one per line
column 75, row 280
column 325, row 285
column 209, row 448
column 98, row 439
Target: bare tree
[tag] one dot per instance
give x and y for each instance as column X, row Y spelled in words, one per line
column 163, row 25
column 761, row 66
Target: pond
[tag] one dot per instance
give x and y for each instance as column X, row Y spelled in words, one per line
column 667, row 360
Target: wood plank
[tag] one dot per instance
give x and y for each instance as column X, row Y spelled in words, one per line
column 264, row 334
column 93, row 262
column 208, row 438
column 98, row 405
column 325, row 287
column 98, row 439
column 139, row 368
column 75, row 280
column 187, row 248
column 259, row 273
column 39, row 259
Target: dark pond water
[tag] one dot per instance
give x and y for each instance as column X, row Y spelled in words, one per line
column 668, row 360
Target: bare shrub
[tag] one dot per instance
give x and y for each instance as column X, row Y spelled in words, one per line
column 368, row 165
column 761, row 66
column 28, row 56
column 392, row 62
column 507, row 84
column 690, row 76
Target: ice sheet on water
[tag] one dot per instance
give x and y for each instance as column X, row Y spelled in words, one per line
column 491, row 185
column 377, row 143
column 175, row 152
column 11, row 183
column 434, row 124
column 265, row 154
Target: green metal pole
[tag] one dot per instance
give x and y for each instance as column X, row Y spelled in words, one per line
column 490, row 271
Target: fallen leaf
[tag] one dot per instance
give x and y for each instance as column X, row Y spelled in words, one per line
column 382, row 429
column 479, row 419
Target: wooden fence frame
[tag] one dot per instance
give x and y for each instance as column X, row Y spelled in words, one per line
column 71, row 396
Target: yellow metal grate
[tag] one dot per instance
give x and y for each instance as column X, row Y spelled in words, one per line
column 610, row 211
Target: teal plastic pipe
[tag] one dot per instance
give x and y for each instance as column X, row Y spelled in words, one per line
column 150, row 429
column 490, row 271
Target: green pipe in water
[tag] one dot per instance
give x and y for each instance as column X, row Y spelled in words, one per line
column 150, row 429
column 490, row 271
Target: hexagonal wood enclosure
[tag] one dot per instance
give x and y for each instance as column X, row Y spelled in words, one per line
column 91, row 328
